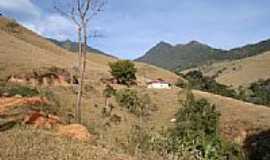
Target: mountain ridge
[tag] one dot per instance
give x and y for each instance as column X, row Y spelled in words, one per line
column 194, row 53
column 73, row 46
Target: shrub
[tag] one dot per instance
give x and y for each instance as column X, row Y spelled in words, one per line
column 260, row 92
column 258, row 146
column 129, row 99
column 12, row 27
column 195, row 135
column 123, row 71
column 12, row 90
column 181, row 83
column 109, row 91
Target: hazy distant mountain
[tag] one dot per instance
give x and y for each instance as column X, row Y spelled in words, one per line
column 192, row 54
column 73, row 47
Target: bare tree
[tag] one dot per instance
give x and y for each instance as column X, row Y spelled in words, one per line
column 81, row 13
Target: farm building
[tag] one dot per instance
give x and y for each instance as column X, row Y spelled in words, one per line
column 159, row 84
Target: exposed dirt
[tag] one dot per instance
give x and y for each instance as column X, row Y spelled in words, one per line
column 10, row 102
column 75, row 131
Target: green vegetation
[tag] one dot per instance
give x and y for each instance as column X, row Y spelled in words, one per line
column 13, row 90
column 109, row 91
column 133, row 102
column 194, row 54
column 208, row 84
column 123, row 71
column 258, row 92
column 195, row 135
column 260, row 151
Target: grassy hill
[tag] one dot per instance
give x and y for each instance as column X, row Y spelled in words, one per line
column 194, row 54
column 240, row 72
column 21, row 50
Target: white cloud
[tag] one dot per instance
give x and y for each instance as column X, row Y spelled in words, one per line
column 21, row 9
column 53, row 26
column 31, row 16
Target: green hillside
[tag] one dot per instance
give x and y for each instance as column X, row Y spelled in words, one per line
column 193, row 54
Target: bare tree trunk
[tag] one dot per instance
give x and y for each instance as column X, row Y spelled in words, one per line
column 81, row 13
column 79, row 94
column 82, row 74
column 80, row 48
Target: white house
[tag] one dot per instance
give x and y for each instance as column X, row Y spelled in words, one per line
column 159, row 84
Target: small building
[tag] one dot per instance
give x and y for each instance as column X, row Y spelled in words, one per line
column 159, row 84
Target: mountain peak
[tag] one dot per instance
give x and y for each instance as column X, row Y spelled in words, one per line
column 194, row 43
column 164, row 44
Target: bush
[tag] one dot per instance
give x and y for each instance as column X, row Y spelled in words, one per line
column 109, row 91
column 195, row 135
column 13, row 90
column 181, row 83
column 129, row 99
column 123, row 71
column 258, row 146
column 12, row 27
column 260, row 92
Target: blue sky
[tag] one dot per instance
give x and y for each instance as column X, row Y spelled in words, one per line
column 131, row 27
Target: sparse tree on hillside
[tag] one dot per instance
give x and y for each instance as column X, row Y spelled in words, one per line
column 81, row 13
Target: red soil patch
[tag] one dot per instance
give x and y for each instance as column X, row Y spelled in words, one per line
column 8, row 103
column 41, row 120
column 75, row 131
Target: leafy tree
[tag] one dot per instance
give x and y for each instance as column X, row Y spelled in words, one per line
column 123, row 71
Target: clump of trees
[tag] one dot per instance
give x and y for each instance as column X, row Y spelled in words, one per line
column 257, row 92
column 124, row 71
column 208, row 84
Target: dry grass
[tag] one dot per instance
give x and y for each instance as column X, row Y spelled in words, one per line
column 235, row 114
column 241, row 72
column 32, row 144
column 21, row 53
